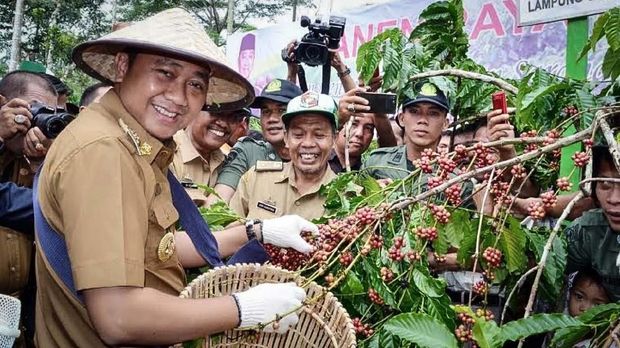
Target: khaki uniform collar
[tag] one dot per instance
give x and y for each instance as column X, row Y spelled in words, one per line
column 288, row 174
column 143, row 142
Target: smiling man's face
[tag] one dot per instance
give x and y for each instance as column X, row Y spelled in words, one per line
column 310, row 138
column 210, row 131
column 162, row 94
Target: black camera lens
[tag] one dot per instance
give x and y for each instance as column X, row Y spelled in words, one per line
column 313, row 53
column 53, row 127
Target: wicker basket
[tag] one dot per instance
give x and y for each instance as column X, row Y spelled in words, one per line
column 324, row 324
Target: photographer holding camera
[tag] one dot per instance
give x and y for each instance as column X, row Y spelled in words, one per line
column 22, row 95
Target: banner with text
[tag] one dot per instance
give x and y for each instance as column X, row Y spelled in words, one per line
column 544, row 11
column 496, row 41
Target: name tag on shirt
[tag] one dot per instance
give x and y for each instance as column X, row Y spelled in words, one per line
column 268, row 207
column 269, row 166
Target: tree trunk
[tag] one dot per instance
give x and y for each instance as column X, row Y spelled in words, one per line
column 230, row 17
column 50, row 40
column 18, row 22
column 294, row 10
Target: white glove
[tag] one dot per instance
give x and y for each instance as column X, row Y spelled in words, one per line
column 285, row 232
column 262, row 303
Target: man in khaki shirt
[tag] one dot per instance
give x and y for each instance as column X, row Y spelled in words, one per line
column 109, row 260
column 273, row 189
column 199, row 156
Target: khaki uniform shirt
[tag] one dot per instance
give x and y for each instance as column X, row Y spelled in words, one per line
column 242, row 157
column 592, row 244
column 270, row 194
column 190, row 167
column 112, row 206
column 16, row 247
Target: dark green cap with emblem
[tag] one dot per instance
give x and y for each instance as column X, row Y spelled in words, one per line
column 278, row 90
column 312, row 103
column 429, row 93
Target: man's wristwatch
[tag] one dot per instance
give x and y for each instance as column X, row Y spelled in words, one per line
column 345, row 72
column 249, row 228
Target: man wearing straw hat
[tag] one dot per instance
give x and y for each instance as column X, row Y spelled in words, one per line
column 110, row 263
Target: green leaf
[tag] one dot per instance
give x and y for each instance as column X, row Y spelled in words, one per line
column 612, row 29
column 429, row 286
column 458, row 226
column 352, row 284
column 422, row 330
column 536, row 324
column 468, row 245
column 531, row 98
column 611, row 63
column 512, row 242
column 597, row 33
column 599, row 312
column 219, row 215
column 383, row 339
column 568, row 337
column 485, row 333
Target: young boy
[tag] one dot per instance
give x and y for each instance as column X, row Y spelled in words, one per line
column 586, row 292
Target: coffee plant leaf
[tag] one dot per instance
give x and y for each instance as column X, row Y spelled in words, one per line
column 512, row 242
column 601, row 312
column 485, row 333
column 219, row 215
column 352, row 284
column 598, row 32
column 534, row 325
column 427, row 285
column 383, row 339
column 568, row 337
column 612, row 29
column 422, row 330
column 611, row 63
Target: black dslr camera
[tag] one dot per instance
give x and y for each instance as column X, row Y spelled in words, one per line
column 313, row 49
column 51, row 121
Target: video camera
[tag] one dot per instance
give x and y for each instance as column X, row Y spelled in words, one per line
column 51, row 121
column 314, row 47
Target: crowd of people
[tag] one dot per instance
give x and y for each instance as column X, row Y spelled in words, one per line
column 88, row 220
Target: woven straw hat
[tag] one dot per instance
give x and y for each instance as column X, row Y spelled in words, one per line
column 172, row 33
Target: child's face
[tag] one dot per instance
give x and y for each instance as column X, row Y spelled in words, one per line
column 584, row 295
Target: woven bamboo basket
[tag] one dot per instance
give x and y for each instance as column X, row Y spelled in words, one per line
column 322, row 324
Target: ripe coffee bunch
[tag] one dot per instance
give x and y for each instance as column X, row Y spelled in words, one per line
column 453, row 194
column 493, row 257
column 480, row 288
column 346, row 258
column 366, row 215
column 290, row 258
column 563, row 184
column 426, row 233
column 440, row 213
column 361, row 328
column 536, row 210
column 375, row 297
column 549, row 199
column 386, row 274
column 570, row 110
column 580, row 159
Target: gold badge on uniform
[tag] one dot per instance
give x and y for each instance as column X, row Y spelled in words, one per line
column 143, row 148
column 166, row 247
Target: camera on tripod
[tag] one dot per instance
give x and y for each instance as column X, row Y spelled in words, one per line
column 313, row 50
column 51, row 121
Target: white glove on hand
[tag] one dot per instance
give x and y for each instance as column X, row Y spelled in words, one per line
column 262, row 303
column 285, row 232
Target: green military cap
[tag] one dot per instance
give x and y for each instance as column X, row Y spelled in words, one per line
column 312, row 102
